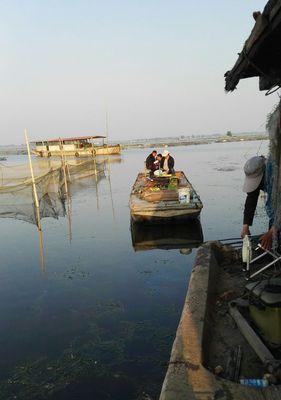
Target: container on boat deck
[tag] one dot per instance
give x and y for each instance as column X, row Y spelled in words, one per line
column 261, row 383
column 265, row 309
column 184, row 195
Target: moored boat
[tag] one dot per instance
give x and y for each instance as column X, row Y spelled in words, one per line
column 165, row 198
column 82, row 146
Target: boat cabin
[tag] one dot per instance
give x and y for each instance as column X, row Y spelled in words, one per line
column 75, row 145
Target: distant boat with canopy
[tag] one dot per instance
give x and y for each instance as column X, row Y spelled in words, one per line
column 80, row 146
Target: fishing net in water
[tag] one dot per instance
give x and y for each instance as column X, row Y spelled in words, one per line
column 80, row 169
column 274, row 129
column 16, row 188
column 17, row 197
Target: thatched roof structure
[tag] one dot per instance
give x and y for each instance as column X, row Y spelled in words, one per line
column 261, row 54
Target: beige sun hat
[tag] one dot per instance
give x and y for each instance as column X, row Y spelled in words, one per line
column 254, row 170
column 165, row 153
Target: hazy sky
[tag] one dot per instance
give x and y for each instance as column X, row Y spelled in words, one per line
column 157, row 66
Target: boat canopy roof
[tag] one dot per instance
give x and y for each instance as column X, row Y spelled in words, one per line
column 72, row 139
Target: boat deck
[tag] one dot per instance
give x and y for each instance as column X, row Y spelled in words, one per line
column 169, row 209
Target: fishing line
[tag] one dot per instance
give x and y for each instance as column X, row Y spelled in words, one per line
column 259, row 147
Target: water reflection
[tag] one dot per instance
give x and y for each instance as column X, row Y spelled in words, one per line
column 166, row 236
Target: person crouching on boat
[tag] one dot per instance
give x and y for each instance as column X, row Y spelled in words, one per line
column 150, row 162
column 167, row 163
column 158, row 171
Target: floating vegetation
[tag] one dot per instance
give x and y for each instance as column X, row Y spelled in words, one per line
column 42, row 378
column 146, row 271
column 98, row 355
column 164, row 261
column 226, row 169
column 75, row 272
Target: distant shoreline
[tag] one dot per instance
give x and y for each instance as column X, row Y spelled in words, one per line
column 20, row 150
column 220, row 139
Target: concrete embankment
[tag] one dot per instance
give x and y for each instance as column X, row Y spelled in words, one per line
column 186, row 377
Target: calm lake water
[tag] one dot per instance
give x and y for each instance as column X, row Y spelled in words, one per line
column 99, row 321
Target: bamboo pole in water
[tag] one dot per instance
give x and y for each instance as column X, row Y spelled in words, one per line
column 96, row 179
column 69, row 214
column 106, row 130
column 96, row 172
column 41, row 247
column 36, row 201
column 108, row 161
column 37, row 205
column 63, row 167
column 68, row 197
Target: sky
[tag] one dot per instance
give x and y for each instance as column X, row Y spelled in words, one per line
column 157, row 67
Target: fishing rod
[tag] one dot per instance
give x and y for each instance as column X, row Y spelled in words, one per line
column 239, row 238
column 231, row 243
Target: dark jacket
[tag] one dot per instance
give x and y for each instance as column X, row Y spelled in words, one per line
column 252, row 198
column 171, row 163
column 251, row 204
column 149, row 162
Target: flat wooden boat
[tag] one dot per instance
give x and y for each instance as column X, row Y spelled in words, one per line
column 158, row 199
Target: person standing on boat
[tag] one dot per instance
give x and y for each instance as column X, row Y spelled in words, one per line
column 167, row 162
column 150, row 161
column 258, row 176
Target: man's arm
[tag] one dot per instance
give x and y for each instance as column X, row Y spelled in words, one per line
column 249, row 211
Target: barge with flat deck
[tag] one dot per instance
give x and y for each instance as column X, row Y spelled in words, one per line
column 166, row 198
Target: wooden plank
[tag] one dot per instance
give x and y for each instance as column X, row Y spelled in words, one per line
column 252, row 338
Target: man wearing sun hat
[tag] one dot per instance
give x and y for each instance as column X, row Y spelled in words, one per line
column 167, row 162
column 258, row 176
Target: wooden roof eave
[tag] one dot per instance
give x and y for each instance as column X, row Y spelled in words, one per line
column 244, row 66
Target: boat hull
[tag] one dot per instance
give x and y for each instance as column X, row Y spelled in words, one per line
column 108, row 150
column 99, row 150
column 173, row 216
